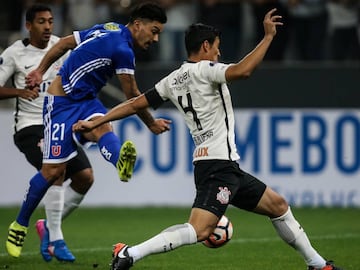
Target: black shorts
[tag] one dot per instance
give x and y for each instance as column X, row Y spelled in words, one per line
column 222, row 182
column 29, row 141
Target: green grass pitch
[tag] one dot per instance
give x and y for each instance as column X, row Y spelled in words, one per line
column 91, row 232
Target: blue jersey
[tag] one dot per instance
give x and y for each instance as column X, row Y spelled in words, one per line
column 104, row 50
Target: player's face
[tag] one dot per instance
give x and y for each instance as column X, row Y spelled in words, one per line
column 40, row 29
column 148, row 32
column 214, row 51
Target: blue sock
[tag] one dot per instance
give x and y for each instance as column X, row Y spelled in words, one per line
column 109, row 146
column 37, row 189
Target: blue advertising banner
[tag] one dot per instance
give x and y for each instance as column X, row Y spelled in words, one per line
column 310, row 156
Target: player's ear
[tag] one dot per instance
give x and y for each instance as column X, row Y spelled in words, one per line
column 137, row 23
column 206, row 46
column 28, row 25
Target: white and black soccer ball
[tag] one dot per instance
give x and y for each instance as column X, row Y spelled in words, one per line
column 221, row 234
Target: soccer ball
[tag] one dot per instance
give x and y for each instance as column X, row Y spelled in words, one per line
column 221, row 234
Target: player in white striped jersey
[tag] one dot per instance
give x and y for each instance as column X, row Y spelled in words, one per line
column 198, row 89
column 16, row 62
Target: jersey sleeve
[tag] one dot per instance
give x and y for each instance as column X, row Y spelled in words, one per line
column 161, row 88
column 213, row 71
column 82, row 35
column 154, row 99
column 77, row 37
column 7, row 66
column 124, row 60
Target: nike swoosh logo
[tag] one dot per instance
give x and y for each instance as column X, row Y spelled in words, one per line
column 27, row 67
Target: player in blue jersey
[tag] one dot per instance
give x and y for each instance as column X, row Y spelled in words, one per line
column 15, row 63
column 101, row 52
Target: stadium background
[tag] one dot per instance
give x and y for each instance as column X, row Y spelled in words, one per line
column 299, row 119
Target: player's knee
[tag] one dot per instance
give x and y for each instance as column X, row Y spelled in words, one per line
column 87, row 176
column 82, row 181
column 278, row 205
column 282, row 205
column 272, row 204
column 53, row 172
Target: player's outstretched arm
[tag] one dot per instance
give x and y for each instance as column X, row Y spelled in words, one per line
column 127, row 108
column 130, row 89
column 245, row 67
column 59, row 49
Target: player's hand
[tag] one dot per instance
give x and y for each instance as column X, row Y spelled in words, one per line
column 34, row 78
column 29, row 94
column 270, row 22
column 160, row 125
column 82, row 126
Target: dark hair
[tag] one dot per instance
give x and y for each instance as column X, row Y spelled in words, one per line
column 149, row 11
column 31, row 11
column 196, row 34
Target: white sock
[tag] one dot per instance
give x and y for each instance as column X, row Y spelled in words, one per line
column 54, row 204
column 72, row 201
column 169, row 239
column 292, row 233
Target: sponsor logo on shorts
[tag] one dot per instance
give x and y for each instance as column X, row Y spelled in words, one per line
column 223, row 195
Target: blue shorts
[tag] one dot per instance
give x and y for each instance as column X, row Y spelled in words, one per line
column 60, row 113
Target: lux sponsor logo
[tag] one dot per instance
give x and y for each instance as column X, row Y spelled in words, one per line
column 106, row 153
column 201, row 152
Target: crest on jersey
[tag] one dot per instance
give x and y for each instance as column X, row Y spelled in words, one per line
column 56, row 150
column 223, row 195
column 111, row 26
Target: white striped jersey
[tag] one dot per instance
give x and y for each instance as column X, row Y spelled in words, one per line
column 200, row 93
column 16, row 62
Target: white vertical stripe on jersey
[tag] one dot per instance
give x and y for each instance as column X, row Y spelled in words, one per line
column 47, row 123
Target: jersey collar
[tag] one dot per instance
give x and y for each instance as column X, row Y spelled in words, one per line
column 127, row 34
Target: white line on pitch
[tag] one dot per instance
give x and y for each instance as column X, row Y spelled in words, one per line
column 234, row 240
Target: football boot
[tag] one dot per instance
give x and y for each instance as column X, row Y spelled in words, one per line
column 125, row 164
column 15, row 239
column 121, row 259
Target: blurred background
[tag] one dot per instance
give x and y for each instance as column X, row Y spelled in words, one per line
column 314, row 30
column 297, row 117
column 319, row 39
